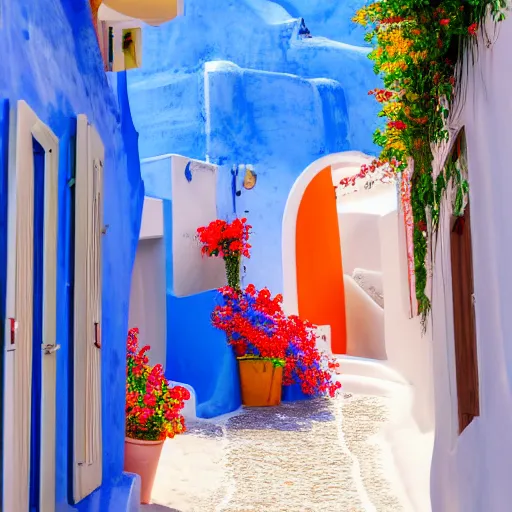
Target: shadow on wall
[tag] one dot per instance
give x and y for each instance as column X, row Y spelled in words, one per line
column 365, row 323
column 147, row 298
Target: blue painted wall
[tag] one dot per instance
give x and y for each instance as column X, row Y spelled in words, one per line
column 330, row 18
column 232, row 81
column 278, row 101
column 51, row 60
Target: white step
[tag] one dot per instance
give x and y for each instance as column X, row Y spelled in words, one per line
column 360, row 366
column 358, row 385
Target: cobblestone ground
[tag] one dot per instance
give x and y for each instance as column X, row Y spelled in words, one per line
column 313, row 456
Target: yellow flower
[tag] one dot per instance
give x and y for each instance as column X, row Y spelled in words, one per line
column 391, row 67
column 394, row 41
column 392, row 108
column 394, row 139
column 417, row 56
column 361, row 17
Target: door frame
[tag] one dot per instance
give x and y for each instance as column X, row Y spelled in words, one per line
column 289, row 227
column 24, row 126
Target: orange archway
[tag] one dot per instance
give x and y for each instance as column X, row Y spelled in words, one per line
column 320, row 289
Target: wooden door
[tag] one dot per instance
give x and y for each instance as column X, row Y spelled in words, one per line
column 466, row 359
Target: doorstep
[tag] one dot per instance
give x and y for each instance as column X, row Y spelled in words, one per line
column 123, row 496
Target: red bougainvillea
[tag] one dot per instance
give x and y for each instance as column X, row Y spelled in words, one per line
column 152, row 405
column 221, row 238
column 376, row 171
column 230, row 241
column 256, row 326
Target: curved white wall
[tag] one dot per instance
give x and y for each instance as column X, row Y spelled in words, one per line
column 360, row 241
column 379, row 200
column 471, row 472
column 349, row 160
column 359, row 215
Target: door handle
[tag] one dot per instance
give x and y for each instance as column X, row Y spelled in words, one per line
column 50, row 349
column 97, row 335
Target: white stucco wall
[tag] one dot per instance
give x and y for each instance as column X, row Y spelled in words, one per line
column 360, row 241
column 358, row 215
column 471, row 472
column 152, row 222
column 148, row 298
column 194, row 204
column 409, row 353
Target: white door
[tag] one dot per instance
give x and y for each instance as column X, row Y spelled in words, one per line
column 25, row 128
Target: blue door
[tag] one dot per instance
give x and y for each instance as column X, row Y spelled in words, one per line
column 35, row 442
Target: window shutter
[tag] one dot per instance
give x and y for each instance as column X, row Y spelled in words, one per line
column 466, row 359
column 87, row 310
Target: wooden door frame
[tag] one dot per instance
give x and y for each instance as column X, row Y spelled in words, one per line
column 465, row 350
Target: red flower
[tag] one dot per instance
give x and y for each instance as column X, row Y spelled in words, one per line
column 381, row 95
column 386, row 173
column 444, row 22
column 422, row 226
column 256, row 326
column 398, row 125
column 472, row 29
column 221, row 238
column 152, row 405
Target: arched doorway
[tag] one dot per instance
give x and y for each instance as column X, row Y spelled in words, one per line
column 312, row 261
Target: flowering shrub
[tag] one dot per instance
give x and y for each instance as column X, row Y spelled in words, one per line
column 256, row 327
column 229, row 241
column 367, row 177
column 417, row 44
column 152, row 405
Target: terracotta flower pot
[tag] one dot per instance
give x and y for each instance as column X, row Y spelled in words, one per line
column 261, row 382
column 141, row 457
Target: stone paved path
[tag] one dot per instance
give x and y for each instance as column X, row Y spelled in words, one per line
column 314, row 456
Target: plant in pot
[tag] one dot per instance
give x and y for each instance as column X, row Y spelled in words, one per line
column 152, row 414
column 247, row 318
column 229, row 241
column 272, row 349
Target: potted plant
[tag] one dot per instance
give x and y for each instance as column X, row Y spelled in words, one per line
column 227, row 240
column 246, row 316
column 152, row 414
column 272, row 348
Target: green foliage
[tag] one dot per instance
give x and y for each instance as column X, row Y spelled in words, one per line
column 417, row 46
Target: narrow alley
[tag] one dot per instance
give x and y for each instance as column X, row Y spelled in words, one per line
column 254, row 256
column 307, row 456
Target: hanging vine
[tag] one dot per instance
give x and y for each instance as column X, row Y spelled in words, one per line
column 417, row 45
